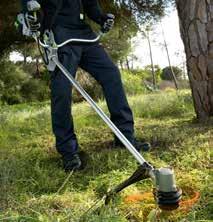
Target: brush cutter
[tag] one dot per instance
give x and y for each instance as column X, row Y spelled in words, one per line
column 166, row 193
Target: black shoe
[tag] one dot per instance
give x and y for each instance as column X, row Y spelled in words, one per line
column 139, row 145
column 72, row 163
column 142, row 146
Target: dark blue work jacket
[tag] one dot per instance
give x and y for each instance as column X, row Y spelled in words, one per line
column 68, row 23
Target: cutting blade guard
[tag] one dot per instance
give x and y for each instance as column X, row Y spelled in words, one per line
column 142, row 173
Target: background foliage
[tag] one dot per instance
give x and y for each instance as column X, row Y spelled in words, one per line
column 28, row 81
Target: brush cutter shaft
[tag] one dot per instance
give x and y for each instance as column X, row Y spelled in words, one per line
column 100, row 112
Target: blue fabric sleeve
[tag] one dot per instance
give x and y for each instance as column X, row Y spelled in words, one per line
column 93, row 11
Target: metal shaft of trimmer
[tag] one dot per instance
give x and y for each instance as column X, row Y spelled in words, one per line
column 99, row 111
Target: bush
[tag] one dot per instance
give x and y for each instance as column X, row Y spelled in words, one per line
column 89, row 84
column 133, row 84
column 163, row 104
column 16, row 86
column 157, row 71
column 143, row 74
column 166, row 73
column 11, row 80
column 35, row 90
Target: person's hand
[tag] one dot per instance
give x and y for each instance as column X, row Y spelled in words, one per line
column 32, row 22
column 27, row 25
column 108, row 23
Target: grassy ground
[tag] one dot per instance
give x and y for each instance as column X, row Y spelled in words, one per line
column 32, row 184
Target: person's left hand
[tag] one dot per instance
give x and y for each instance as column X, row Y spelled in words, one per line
column 27, row 25
column 108, row 23
column 32, row 22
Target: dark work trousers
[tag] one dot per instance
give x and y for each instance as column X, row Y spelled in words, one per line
column 93, row 59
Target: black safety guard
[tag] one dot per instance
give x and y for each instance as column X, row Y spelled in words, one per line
column 142, row 173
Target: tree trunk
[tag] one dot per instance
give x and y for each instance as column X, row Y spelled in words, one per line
column 168, row 57
column 37, row 73
column 121, row 65
column 196, row 26
column 127, row 64
column 151, row 59
column 25, row 56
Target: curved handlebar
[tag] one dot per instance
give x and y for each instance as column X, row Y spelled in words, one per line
column 80, row 40
column 72, row 40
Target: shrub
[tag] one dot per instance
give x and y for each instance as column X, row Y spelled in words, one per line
column 157, row 72
column 12, row 78
column 89, row 84
column 166, row 73
column 143, row 74
column 35, row 90
column 133, row 84
column 16, row 86
column 163, row 104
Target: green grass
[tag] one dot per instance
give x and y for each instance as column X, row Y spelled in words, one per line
column 31, row 177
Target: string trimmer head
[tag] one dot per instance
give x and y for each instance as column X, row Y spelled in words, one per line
column 166, row 194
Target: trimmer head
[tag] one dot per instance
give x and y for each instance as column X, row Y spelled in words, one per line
column 166, row 194
column 168, row 200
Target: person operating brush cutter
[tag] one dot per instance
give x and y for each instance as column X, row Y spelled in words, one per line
column 66, row 19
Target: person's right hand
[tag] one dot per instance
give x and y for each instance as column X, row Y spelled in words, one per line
column 108, row 23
